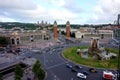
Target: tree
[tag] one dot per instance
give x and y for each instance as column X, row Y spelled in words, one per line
column 63, row 33
column 38, row 71
column 72, row 34
column 1, row 77
column 3, row 41
column 18, row 72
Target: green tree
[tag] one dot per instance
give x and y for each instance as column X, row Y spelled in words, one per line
column 38, row 71
column 1, row 77
column 18, row 72
column 3, row 41
column 72, row 34
column 63, row 32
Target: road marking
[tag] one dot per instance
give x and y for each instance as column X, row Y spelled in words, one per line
column 44, row 59
column 56, row 65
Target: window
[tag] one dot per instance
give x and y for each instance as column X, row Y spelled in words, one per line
column 17, row 40
column 13, row 41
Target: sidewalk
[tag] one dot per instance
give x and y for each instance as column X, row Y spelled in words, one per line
column 27, row 72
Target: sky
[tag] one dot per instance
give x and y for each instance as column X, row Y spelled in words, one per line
column 75, row 11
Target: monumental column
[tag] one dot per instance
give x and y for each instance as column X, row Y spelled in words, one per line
column 68, row 30
column 55, row 31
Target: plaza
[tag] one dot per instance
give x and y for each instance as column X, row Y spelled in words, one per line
column 48, row 49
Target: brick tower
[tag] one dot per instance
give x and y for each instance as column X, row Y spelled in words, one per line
column 68, row 29
column 55, row 31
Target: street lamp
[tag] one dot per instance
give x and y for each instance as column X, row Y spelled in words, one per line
column 118, row 71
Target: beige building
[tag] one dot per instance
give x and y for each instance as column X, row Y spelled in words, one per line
column 21, row 37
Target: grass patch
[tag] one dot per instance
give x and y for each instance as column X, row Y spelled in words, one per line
column 70, row 53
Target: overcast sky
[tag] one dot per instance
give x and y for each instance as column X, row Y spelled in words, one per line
column 75, row 11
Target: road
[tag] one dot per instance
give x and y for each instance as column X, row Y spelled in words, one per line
column 55, row 64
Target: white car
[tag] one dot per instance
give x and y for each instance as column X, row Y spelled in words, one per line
column 81, row 75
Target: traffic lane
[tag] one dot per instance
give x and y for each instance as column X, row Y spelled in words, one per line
column 46, row 58
column 53, row 59
column 39, row 57
column 61, row 73
column 92, row 76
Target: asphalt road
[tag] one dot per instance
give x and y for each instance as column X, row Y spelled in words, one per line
column 55, row 65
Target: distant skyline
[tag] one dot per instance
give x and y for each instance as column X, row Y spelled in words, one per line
column 75, row 11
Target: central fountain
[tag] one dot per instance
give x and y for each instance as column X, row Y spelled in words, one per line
column 94, row 47
column 96, row 51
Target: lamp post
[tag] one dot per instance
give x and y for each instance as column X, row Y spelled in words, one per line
column 118, row 71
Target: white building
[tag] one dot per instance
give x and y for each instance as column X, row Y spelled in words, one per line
column 79, row 34
column 88, row 33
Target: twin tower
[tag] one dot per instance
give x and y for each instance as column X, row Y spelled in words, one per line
column 56, row 32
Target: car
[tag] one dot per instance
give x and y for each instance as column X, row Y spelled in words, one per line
column 29, row 56
column 73, row 70
column 85, row 72
column 93, row 70
column 78, row 67
column 68, row 65
column 108, row 75
column 80, row 75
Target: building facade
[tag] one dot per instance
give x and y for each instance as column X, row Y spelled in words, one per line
column 22, row 37
column 101, row 33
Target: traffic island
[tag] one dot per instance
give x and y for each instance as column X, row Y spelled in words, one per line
column 71, row 54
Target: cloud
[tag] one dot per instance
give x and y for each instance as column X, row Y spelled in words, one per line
column 6, row 19
column 65, row 4
column 59, row 3
column 15, row 10
column 105, row 11
column 72, row 6
column 19, row 11
column 17, row 4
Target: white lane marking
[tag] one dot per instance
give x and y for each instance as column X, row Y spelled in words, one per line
column 56, row 65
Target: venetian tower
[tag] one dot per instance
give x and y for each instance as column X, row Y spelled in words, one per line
column 55, row 31
column 68, row 29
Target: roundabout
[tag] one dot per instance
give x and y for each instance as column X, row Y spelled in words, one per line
column 71, row 54
column 93, row 55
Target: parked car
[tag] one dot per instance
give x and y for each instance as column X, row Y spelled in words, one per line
column 93, row 70
column 80, row 75
column 85, row 72
column 68, row 65
column 78, row 67
column 73, row 70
